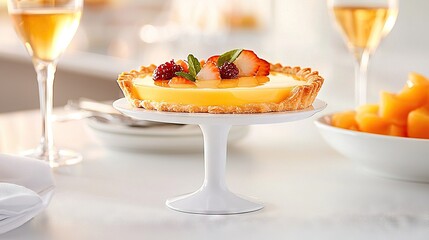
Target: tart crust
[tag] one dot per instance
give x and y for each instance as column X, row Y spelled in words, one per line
column 302, row 96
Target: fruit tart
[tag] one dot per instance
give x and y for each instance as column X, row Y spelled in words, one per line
column 237, row 81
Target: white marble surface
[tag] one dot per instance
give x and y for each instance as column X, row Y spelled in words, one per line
column 309, row 190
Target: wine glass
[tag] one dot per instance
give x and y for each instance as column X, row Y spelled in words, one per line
column 363, row 23
column 46, row 27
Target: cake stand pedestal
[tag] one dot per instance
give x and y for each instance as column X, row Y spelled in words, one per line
column 214, row 197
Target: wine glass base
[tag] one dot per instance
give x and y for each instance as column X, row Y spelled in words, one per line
column 62, row 157
column 206, row 201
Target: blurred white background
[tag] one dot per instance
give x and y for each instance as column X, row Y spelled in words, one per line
column 117, row 35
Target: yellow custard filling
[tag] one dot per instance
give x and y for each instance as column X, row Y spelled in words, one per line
column 274, row 88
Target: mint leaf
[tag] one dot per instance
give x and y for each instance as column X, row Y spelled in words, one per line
column 194, row 65
column 229, row 56
column 186, row 75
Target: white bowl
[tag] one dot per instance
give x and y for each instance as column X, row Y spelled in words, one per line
column 394, row 157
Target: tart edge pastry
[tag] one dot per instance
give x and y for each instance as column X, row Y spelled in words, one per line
column 302, row 96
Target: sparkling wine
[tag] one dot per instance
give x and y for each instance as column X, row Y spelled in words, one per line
column 365, row 26
column 46, row 33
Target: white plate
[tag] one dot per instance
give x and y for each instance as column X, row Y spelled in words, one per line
column 394, row 157
column 162, row 138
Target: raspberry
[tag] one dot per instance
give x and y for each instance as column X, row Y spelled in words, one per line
column 166, row 71
column 228, row 71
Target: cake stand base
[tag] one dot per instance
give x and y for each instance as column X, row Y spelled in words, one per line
column 217, row 202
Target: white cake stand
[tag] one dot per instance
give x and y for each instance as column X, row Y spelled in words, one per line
column 214, row 197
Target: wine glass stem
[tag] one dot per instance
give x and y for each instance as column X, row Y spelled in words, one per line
column 361, row 82
column 45, row 78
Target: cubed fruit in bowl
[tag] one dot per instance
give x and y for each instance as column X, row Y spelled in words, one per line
column 398, row 131
column 416, row 90
column 395, row 109
column 388, row 156
column 368, row 108
column 372, row 123
column 415, row 95
column 418, row 123
column 345, row 120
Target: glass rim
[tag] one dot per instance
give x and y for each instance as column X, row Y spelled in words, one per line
column 14, row 6
column 362, row 3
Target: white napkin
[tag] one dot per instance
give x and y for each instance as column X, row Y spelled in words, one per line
column 26, row 186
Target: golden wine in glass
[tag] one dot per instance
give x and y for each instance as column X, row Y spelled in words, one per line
column 46, row 28
column 363, row 23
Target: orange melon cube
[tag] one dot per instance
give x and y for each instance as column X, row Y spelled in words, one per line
column 417, row 79
column 415, row 96
column 416, row 90
column 368, row 108
column 372, row 123
column 418, row 123
column 399, row 131
column 395, row 109
column 345, row 120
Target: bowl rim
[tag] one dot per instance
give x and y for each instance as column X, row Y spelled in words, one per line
column 324, row 122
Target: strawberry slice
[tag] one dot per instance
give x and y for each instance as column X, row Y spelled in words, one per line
column 264, row 68
column 183, row 64
column 181, row 82
column 209, row 72
column 213, row 59
column 247, row 63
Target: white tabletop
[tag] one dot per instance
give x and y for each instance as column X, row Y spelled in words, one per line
column 309, row 191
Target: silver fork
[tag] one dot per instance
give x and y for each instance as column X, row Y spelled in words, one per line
column 102, row 112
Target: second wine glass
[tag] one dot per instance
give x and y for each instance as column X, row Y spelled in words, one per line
column 363, row 23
